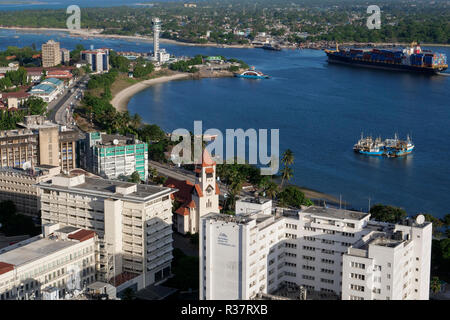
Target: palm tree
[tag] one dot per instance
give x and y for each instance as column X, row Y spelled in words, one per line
column 286, row 174
column 287, row 159
column 435, row 285
column 136, row 121
column 271, row 190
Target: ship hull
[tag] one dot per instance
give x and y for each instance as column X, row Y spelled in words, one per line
column 250, row 77
column 332, row 58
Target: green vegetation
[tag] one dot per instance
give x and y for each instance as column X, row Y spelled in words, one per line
column 293, row 197
column 187, row 65
column 385, row 213
column 239, row 22
column 14, row 224
column 287, row 160
column 185, row 270
column 135, row 177
column 14, row 78
column 22, row 55
column 9, row 119
column 36, row 106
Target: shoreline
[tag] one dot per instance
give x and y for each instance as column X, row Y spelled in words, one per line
column 120, row 103
column 96, row 33
column 121, row 99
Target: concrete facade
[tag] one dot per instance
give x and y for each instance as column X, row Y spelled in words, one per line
column 315, row 248
column 51, row 54
column 63, row 259
column 133, row 223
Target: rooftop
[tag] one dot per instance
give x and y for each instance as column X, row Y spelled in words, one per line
column 105, row 188
column 33, row 251
column 335, row 213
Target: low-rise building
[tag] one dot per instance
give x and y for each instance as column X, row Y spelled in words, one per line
column 19, row 186
column 48, row 89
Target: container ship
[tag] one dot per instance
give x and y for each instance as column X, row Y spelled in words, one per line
column 252, row 74
column 412, row 58
column 389, row 147
column 270, row 46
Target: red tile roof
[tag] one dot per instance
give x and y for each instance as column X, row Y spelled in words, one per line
column 122, row 278
column 82, row 235
column 206, row 159
column 182, row 211
column 217, row 189
column 5, row 267
column 184, row 193
column 198, row 190
column 191, row 204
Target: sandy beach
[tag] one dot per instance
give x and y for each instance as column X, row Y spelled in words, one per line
column 120, row 101
column 96, row 33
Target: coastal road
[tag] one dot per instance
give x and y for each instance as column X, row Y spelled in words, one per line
column 180, row 174
column 58, row 108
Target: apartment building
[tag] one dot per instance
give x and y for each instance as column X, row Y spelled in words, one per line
column 65, row 56
column 239, row 255
column 61, row 259
column 18, row 186
column 319, row 249
column 396, row 267
column 97, row 59
column 51, row 54
column 112, row 155
column 56, row 144
column 133, row 222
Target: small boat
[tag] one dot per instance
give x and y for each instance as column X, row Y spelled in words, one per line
column 252, row 74
column 389, row 147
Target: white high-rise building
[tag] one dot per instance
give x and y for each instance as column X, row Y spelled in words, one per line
column 159, row 55
column 156, row 31
column 133, row 223
column 315, row 248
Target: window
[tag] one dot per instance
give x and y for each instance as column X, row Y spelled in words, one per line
column 307, row 277
column 327, row 281
column 327, row 271
column 328, row 261
column 356, row 298
column 309, row 248
column 309, row 258
column 357, row 287
column 358, row 265
column 357, row 276
column 311, row 268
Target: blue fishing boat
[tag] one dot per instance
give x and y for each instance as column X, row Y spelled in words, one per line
column 252, row 74
column 389, row 147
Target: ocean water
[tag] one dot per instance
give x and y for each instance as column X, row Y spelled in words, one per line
column 55, row 4
column 320, row 110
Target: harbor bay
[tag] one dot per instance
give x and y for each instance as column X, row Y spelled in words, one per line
column 320, row 110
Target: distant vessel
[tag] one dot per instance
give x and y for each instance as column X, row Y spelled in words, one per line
column 389, row 147
column 270, row 46
column 252, row 74
column 412, row 58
